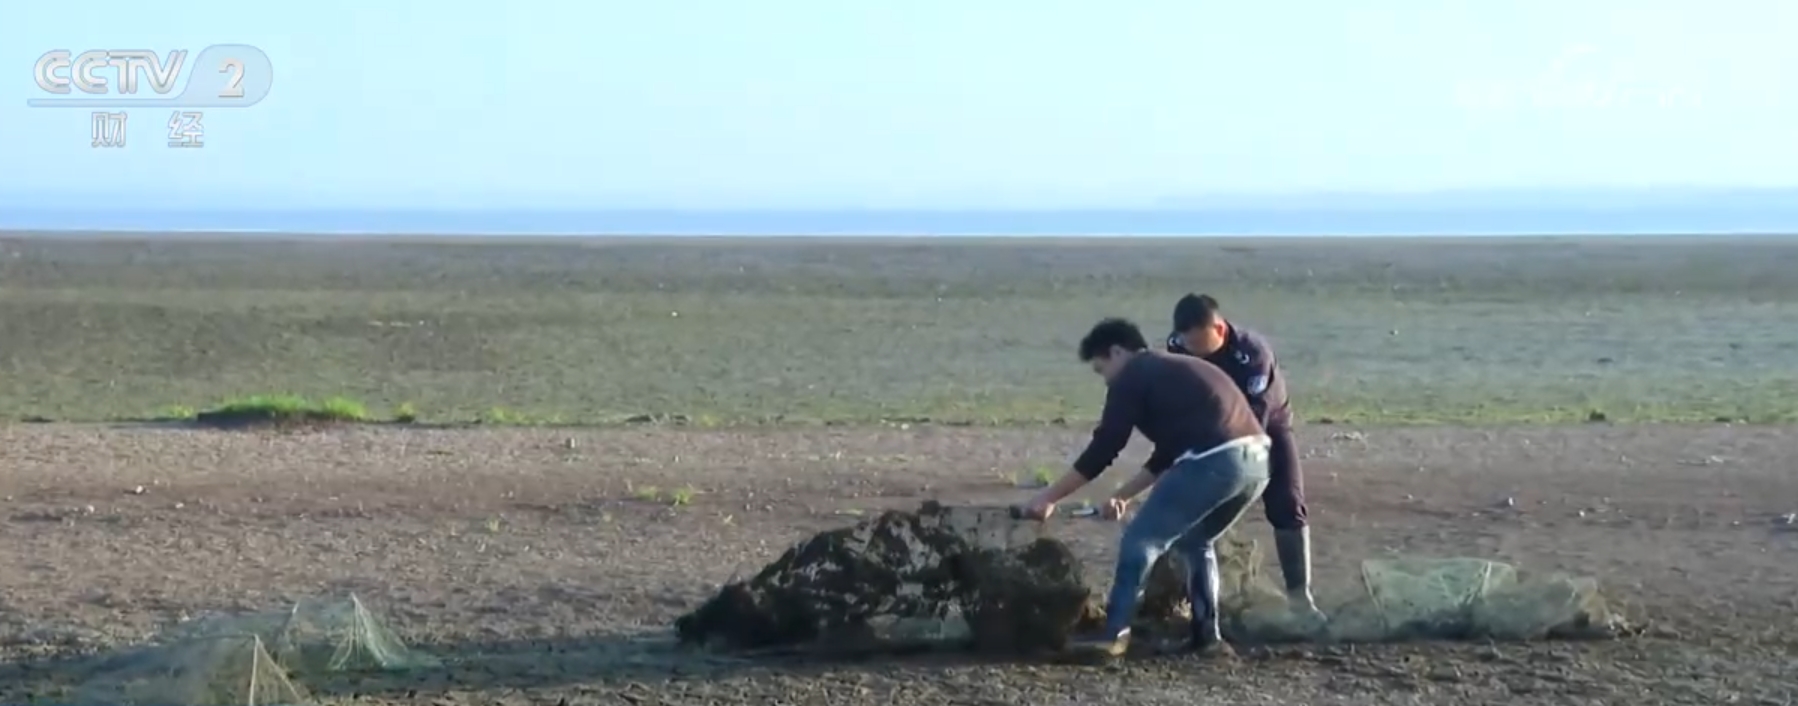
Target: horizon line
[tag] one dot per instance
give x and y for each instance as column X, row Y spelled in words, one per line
column 879, row 210
column 201, row 234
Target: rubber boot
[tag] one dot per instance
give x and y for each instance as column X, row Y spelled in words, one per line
column 1202, row 587
column 1293, row 548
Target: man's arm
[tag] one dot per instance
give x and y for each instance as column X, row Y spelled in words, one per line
column 1255, row 388
column 1134, row 487
column 1123, row 402
column 1068, row 484
column 1160, row 459
column 1258, row 373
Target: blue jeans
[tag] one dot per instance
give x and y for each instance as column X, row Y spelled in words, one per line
column 1192, row 505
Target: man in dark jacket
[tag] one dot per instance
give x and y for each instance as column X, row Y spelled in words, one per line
column 1200, row 330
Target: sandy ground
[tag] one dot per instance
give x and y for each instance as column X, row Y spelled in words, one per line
column 535, row 548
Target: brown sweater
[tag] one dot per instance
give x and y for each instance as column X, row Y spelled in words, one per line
column 1179, row 402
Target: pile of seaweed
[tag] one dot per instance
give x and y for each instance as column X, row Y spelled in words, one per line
column 977, row 578
column 941, row 577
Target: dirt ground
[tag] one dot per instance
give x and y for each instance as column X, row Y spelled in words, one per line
column 542, row 556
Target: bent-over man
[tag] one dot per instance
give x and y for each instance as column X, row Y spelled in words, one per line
column 1201, row 330
column 1209, row 464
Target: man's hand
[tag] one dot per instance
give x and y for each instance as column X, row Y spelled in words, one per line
column 1042, row 505
column 1037, row 509
column 1119, row 504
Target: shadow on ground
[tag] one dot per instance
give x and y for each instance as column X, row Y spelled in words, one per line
column 619, row 660
column 626, row 663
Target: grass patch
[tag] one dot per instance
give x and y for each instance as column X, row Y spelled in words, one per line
column 284, row 410
column 674, row 497
column 175, row 413
column 1039, row 476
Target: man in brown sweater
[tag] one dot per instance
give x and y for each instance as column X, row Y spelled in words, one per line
column 1210, row 463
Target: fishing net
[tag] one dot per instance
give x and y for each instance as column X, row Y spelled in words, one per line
column 318, row 636
column 223, row 670
column 343, row 636
column 956, row 578
column 1415, row 598
column 250, row 660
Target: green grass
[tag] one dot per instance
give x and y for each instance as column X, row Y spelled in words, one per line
column 291, row 408
column 175, row 413
column 1037, row 477
column 970, row 331
column 674, row 497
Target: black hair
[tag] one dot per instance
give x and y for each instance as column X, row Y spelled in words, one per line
column 1194, row 311
column 1110, row 332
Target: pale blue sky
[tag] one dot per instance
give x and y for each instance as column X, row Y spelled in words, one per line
column 923, row 103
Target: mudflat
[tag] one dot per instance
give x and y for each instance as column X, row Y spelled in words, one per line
column 786, row 331
column 563, row 556
column 786, row 387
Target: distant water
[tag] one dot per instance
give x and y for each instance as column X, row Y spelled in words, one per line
column 1208, row 222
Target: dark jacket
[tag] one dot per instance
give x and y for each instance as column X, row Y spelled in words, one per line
column 1249, row 360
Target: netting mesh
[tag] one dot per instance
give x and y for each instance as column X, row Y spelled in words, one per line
column 342, row 636
column 224, row 670
column 316, row 636
column 1421, row 598
column 251, row 660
